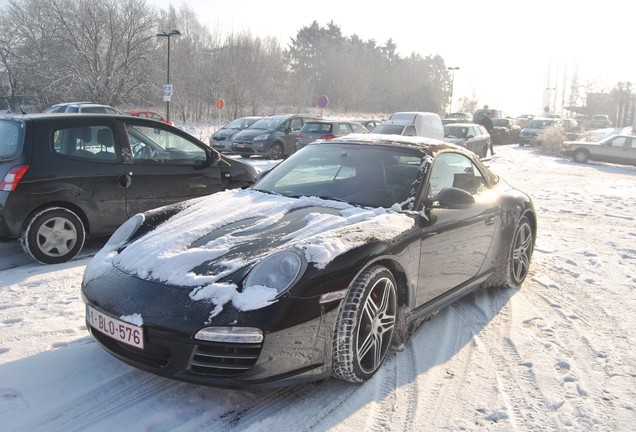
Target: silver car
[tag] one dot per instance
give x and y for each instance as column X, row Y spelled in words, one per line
column 619, row 149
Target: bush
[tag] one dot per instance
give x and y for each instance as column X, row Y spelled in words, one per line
column 551, row 139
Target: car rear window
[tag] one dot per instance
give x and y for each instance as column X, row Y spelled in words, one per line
column 11, row 137
column 317, row 128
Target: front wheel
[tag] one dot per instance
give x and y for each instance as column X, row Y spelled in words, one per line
column 365, row 326
column 581, row 156
column 52, row 236
column 276, row 151
column 520, row 253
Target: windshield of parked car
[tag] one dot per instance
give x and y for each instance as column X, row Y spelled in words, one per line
column 388, row 129
column 452, row 131
column 239, row 124
column 365, row 175
column 10, row 138
column 500, row 122
column 268, row 123
column 539, row 123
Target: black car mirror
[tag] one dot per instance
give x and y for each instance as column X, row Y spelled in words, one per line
column 452, row 198
column 470, row 137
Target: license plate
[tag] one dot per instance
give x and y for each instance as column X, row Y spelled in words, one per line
column 116, row 329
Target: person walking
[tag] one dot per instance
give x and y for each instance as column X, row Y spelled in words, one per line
column 486, row 122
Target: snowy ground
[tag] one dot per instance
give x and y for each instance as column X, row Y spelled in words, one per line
column 556, row 355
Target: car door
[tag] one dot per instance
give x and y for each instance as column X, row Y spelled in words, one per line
column 291, row 128
column 616, row 150
column 165, row 166
column 85, row 171
column 454, row 242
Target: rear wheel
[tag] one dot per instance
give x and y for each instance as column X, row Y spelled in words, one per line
column 581, row 156
column 276, row 152
column 53, row 235
column 366, row 325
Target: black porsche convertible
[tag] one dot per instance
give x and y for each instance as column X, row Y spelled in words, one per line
column 316, row 270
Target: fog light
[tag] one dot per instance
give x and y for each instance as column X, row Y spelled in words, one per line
column 230, row 334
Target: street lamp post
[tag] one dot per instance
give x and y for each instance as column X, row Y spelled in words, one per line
column 167, row 97
column 452, row 69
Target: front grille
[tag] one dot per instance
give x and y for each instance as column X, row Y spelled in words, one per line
column 224, row 359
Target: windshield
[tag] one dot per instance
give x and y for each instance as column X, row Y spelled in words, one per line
column 499, row 122
column 451, row 131
column 539, row 123
column 11, row 135
column 365, row 175
column 388, row 129
column 268, row 123
column 240, row 124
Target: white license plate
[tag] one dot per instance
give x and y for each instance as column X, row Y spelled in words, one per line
column 116, row 329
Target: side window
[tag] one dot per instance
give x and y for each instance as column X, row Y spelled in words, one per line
column 86, row 142
column 359, row 128
column 296, row 124
column 409, row 131
column 455, row 170
column 344, row 128
column 155, row 146
column 154, row 116
column 618, row 142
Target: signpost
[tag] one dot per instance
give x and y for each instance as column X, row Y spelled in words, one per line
column 167, row 92
column 220, row 104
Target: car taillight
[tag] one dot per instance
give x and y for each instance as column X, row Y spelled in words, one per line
column 13, row 177
column 328, row 137
column 299, row 136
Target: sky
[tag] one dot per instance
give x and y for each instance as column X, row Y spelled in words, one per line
column 555, row 355
column 508, row 52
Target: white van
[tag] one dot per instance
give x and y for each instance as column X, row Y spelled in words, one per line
column 425, row 124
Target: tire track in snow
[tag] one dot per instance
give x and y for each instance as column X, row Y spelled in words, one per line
column 124, row 391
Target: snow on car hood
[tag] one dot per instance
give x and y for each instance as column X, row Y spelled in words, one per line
column 224, row 232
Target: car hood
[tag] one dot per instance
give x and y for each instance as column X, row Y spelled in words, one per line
column 215, row 237
column 249, row 134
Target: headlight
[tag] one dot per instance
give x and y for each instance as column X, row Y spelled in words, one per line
column 278, row 271
column 125, row 232
column 261, row 137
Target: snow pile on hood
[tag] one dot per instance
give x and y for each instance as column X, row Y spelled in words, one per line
column 168, row 254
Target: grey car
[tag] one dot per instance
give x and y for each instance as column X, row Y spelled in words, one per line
column 474, row 137
column 273, row 137
column 619, row 149
column 531, row 134
column 221, row 140
column 326, row 130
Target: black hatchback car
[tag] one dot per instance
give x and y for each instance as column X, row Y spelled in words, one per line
column 64, row 177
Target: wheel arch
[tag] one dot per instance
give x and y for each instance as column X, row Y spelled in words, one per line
column 60, row 204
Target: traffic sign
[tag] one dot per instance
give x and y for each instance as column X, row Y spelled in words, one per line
column 167, row 90
column 323, row 102
column 220, row 104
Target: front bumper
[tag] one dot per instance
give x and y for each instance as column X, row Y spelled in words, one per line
column 299, row 352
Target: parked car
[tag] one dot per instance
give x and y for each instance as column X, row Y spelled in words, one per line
column 504, row 131
column 221, row 140
column 273, row 136
column 369, row 124
column 619, row 149
column 531, row 134
column 326, row 130
column 583, row 121
column 458, row 117
column 65, row 177
column 82, row 107
column 472, row 136
column 600, row 122
column 423, row 124
column 317, row 270
column 152, row 115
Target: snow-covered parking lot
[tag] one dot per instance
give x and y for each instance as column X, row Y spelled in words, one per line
column 558, row 354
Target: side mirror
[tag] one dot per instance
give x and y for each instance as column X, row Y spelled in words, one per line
column 288, row 130
column 470, row 137
column 452, row 198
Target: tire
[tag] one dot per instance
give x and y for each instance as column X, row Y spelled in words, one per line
column 245, row 156
column 581, row 156
column 277, row 151
column 366, row 325
column 520, row 254
column 53, row 235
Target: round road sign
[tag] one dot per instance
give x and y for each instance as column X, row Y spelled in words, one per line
column 220, row 104
column 323, row 102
